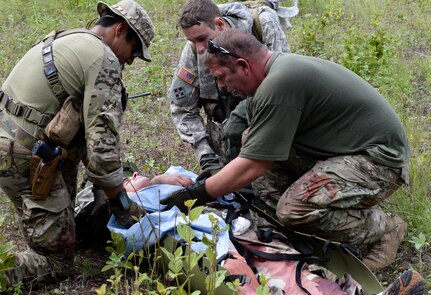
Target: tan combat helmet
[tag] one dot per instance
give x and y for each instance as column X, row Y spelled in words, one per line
column 137, row 19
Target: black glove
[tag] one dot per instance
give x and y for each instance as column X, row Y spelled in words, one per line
column 194, row 191
column 126, row 211
column 207, row 174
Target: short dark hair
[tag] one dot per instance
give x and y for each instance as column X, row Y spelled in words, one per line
column 108, row 18
column 238, row 42
column 196, row 12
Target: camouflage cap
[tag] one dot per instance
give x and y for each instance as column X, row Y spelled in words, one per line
column 137, row 19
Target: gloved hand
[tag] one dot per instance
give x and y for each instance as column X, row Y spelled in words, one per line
column 194, row 191
column 126, row 211
column 207, row 174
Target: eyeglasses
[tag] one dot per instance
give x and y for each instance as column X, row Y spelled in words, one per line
column 213, row 48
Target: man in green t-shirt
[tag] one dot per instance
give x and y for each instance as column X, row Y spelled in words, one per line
column 323, row 148
column 67, row 90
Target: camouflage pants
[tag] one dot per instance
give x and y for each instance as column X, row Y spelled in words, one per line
column 335, row 199
column 47, row 225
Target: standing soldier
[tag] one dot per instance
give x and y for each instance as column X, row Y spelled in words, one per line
column 194, row 87
column 64, row 101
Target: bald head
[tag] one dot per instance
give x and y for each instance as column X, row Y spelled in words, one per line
column 240, row 44
column 238, row 61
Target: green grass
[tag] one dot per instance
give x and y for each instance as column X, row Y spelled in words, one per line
column 386, row 42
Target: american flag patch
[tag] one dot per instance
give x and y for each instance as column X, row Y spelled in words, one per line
column 186, row 76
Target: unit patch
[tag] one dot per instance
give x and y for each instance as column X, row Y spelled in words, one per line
column 179, row 92
column 186, row 75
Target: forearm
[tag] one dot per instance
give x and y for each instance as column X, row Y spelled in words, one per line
column 191, row 128
column 239, row 173
column 102, row 125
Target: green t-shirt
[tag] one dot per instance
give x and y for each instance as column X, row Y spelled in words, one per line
column 322, row 110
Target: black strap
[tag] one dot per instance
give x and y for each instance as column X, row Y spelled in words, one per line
column 248, row 252
column 243, row 279
column 50, row 69
column 246, row 198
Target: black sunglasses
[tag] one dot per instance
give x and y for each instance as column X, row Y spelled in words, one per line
column 137, row 51
column 213, row 48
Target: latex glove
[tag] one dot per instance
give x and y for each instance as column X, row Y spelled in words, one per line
column 126, row 211
column 194, row 191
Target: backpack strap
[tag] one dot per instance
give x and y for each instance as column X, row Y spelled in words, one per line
column 50, row 70
column 257, row 27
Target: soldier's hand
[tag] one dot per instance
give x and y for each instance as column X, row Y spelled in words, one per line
column 194, row 191
column 126, row 211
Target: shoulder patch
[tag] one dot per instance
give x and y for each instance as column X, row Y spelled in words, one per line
column 186, row 75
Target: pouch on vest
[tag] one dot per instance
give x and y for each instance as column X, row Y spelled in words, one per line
column 66, row 123
column 44, row 174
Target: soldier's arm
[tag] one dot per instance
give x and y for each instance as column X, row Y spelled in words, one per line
column 185, row 106
column 103, row 116
column 273, row 34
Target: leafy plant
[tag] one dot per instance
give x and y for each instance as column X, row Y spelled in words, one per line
column 263, row 288
column 367, row 53
column 215, row 277
column 420, row 242
column 7, row 259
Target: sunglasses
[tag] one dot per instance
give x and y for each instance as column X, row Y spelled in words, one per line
column 136, row 52
column 214, row 48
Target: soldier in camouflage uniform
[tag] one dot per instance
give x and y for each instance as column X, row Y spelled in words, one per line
column 193, row 86
column 323, row 148
column 82, row 69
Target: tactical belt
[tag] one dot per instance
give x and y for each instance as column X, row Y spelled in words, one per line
column 16, row 132
column 28, row 113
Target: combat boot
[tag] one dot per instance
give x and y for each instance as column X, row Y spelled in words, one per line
column 383, row 252
column 409, row 282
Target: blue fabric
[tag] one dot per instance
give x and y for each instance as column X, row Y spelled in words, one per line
column 156, row 223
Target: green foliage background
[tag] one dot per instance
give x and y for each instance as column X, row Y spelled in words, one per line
column 387, row 42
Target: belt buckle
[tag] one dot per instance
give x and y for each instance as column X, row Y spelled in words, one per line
column 16, row 109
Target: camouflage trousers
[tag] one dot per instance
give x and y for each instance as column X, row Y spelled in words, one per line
column 337, row 199
column 47, row 225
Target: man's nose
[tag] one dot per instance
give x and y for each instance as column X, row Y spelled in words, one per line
column 222, row 87
column 201, row 47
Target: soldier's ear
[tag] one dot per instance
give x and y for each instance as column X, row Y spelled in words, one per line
column 121, row 28
column 219, row 23
column 241, row 62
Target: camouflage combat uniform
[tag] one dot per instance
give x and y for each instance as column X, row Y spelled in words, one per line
column 193, row 87
column 88, row 70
